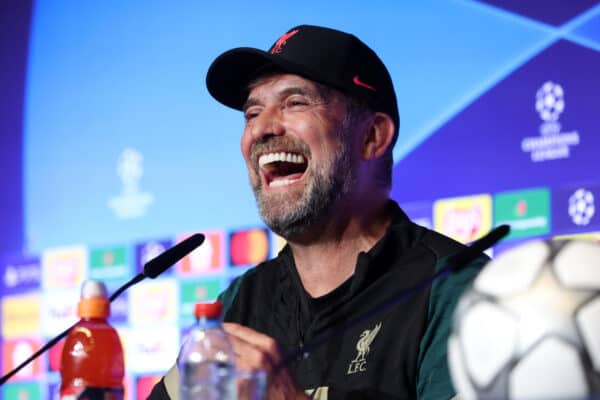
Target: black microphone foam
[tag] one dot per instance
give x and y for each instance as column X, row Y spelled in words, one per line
column 162, row 262
column 464, row 257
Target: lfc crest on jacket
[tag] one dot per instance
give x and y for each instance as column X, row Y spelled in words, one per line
column 363, row 346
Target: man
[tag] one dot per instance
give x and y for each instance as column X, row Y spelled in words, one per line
column 321, row 121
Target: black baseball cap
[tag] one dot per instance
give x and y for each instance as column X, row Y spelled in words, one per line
column 327, row 56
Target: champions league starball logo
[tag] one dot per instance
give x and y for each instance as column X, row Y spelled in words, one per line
column 581, row 207
column 553, row 143
column 549, row 101
column 132, row 202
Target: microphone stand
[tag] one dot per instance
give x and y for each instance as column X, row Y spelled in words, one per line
column 152, row 269
column 64, row 333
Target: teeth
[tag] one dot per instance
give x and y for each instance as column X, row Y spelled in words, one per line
column 282, row 182
column 281, row 157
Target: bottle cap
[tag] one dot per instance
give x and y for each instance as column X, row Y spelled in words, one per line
column 211, row 309
column 94, row 300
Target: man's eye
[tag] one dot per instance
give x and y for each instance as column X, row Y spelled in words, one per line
column 296, row 102
column 250, row 114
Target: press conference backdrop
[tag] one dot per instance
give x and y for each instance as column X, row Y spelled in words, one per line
column 125, row 153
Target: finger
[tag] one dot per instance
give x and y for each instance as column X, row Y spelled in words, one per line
column 263, row 342
column 250, row 357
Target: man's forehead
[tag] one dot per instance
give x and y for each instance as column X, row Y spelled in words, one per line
column 275, row 84
column 279, row 81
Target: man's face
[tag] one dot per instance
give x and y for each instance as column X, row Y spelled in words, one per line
column 298, row 151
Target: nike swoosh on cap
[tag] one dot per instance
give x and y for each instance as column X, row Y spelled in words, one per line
column 358, row 82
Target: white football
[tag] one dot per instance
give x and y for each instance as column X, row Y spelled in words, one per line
column 529, row 326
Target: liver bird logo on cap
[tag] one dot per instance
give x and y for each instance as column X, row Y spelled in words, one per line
column 282, row 41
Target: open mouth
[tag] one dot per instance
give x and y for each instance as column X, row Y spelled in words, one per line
column 282, row 168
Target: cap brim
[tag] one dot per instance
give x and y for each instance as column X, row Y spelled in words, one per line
column 230, row 74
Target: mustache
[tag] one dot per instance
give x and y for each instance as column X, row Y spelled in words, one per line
column 278, row 144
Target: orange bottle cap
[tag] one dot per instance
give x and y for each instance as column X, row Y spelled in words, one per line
column 93, row 307
column 94, row 300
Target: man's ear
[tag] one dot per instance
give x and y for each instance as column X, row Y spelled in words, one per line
column 379, row 136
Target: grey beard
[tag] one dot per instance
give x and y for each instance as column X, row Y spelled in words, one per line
column 295, row 218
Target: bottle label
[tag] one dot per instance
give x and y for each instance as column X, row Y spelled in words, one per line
column 91, row 393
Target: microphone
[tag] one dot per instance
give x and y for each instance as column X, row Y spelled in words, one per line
column 461, row 259
column 152, row 269
column 161, row 263
column 453, row 264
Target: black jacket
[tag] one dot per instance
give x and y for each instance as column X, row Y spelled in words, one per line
column 379, row 345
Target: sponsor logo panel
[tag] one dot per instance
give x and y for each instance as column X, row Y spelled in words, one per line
column 144, row 385
column 20, row 275
column 146, row 251
column 526, row 211
column 154, row 302
column 20, row 315
column 248, row 247
column 64, row 267
column 53, row 391
column 15, row 351
column 194, row 291
column 463, row 218
column 575, row 208
column 59, row 310
column 54, row 356
column 109, row 264
column 151, row 349
column 205, row 259
column 119, row 307
column 22, row 391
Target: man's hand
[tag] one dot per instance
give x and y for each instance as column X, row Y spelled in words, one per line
column 256, row 351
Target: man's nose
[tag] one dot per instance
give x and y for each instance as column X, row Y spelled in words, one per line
column 268, row 123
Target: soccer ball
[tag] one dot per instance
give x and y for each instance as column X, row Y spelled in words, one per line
column 549, row 101
column 529, row 326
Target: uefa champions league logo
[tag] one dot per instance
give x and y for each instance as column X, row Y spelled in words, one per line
column 132, row 202
column 581, row 207
column 549, row 101
column 553, row 144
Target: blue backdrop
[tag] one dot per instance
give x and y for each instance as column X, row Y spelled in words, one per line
column 124, row 152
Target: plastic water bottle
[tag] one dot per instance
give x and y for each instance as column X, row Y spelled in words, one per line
column 206, row 361
column 91, row 365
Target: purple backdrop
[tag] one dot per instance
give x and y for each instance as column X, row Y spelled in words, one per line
column 15, row 17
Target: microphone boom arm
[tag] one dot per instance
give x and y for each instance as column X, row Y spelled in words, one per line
column 152, row 269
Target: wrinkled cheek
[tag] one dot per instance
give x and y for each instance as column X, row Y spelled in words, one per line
column 254, row 177
column 246, row 145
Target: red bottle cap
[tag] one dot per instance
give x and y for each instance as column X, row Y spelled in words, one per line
column 210, row 309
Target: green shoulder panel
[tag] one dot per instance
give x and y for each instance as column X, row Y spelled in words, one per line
column 433, row 379
column 226, row 297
